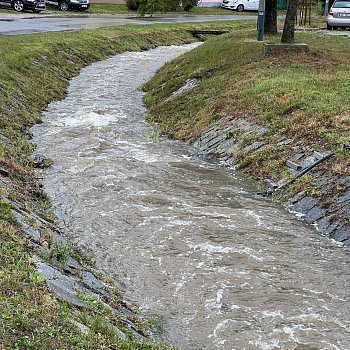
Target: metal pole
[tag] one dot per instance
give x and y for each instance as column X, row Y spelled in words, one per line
column 326, row 7
column 261, row 20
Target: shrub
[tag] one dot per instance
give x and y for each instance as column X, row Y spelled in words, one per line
column 133, row 5
column 189, row 4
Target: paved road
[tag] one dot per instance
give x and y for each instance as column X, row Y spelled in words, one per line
column 11, row 25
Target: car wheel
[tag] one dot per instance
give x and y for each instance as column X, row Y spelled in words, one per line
column 18, row 5
column 240, row 8
column 329, row 27
column 64, row 6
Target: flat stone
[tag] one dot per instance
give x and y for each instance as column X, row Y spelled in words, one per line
column 314, row 214
column 62, row 286
column 308, row 161
column 318, row 155
column 298, row 197
column 254, row 146
column 344, row 181
column 66, row 294
column 342, row 234
column 208, row 158
column 280, row 48
column 344, row 198
column 296, row 157
column 284, row 142
column 347, row 213
column 271, row 185
column 91, row 282
column 305, row 204
column 83, row 329
column 293, row 166
column 72, row 266
column 323, row 224
column 346, row 243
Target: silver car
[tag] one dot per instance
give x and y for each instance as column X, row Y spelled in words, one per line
column 339, row 15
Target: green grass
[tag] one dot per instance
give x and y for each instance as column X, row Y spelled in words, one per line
column 299, row 96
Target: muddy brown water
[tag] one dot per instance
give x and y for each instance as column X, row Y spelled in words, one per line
column 188, row 241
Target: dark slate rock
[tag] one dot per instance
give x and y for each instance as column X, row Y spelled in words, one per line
column 32, row 234
column 297, row 157
column 92, row 283
column 314, row 214
column 254, row 146
column 83, row 329
column 72, row 266
column 271, row 185
column 305, row 204
column 39, row 161
column 65, row 293
column 208, row 158
column 344, row 198
column 344, row 181
column 346, row 243
column 308, row 161
column 293, row 166
column 323, row 224
column 62, row 286
column 230, row 160
column 318, row 155
column 284, row 142
column 298, row 197
column 347, row 213
column 117, row 331
column 342, row 234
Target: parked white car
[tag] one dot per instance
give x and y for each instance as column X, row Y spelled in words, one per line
column 241, row 5
column 339, row 15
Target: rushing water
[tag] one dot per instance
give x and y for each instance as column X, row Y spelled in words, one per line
column 187, row 240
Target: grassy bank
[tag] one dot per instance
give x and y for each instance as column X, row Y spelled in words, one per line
column 34, row 70
column 302, row 97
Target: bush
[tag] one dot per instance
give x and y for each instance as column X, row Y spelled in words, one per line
column 189, row 4
column 133, row 5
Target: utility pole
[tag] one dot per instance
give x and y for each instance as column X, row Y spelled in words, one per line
column 261, row 20
column 326, row 7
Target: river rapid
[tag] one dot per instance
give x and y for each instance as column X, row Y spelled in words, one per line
column 187, row 240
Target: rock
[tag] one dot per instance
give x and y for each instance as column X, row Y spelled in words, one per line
column 297, row 157
column 83, row 329
column 308, row 161
column 344, row 181
column 346, row 243
column 72, row 266
column 314, row 214
column 318, row 155
column 209, row 158
column 323, row 224
column 342, row 234
column 254, row 146
column 62, row 286
column 293, row 166
column 344, row 198
column 284, row 142
column 305, row 204
column 189, row 84
column 298, row 197
column 39, row 161
column 271, row 185
column 93, row 284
